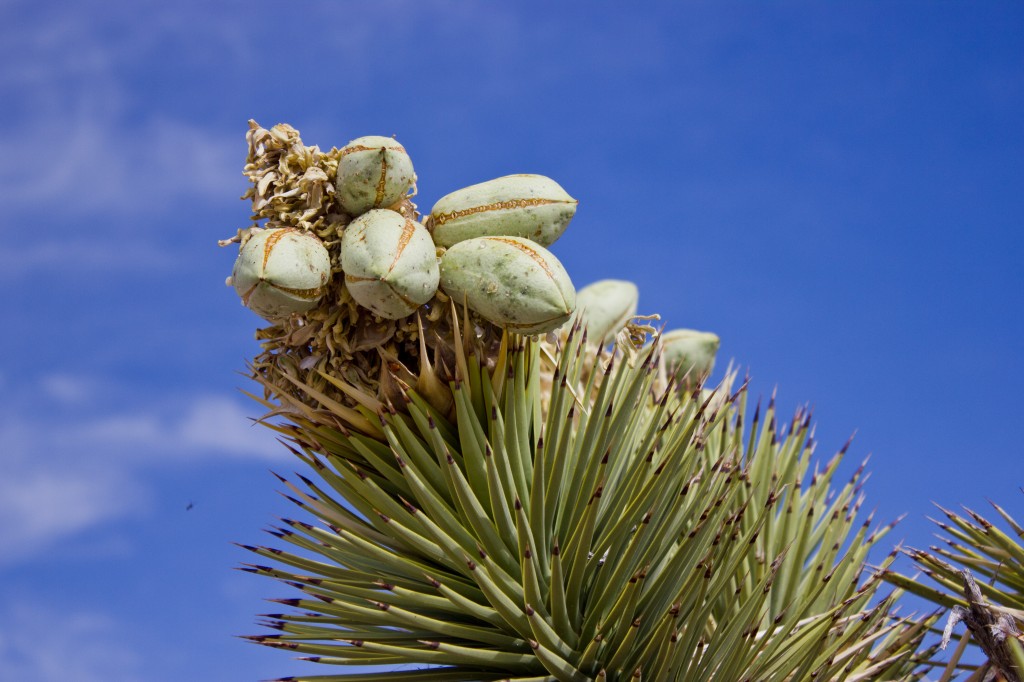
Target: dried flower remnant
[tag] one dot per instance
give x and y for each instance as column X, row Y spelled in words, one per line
column 292, row 184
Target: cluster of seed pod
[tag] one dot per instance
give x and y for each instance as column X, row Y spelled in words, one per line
column 484, row 246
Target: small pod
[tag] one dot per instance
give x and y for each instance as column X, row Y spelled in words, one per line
column 512, row 282
column 689, row 353
column 389, row 262
column 373, row 172
column 605, row 307
column 530, row 206
column 280, row 271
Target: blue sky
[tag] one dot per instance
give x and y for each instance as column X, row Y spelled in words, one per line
column 836, row 189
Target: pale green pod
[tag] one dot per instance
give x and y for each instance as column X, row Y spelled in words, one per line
column 373, row 172
column 689, row 353
column 280, row 271
column 530, row 206
column 512, row 282
column 605, row 307
column 389, row 262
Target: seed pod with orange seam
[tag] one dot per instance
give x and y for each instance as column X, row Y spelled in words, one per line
column 373, row 172
column 389, row 262
column 530, row 206
column 512, row 282
column 280, row 271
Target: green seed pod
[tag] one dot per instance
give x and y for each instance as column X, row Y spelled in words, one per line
column 512, row 282
column 389, row 262
column 605, row 307
column 373, row 172
column 689, row 353
column 280, row 271
column 530, row 206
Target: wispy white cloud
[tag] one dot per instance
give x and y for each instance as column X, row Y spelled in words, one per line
column 220, row 424
column 85, row 162
column 40, row 644
column 80, row 145
column 194, row 427
column 40, row 505
column 93, row 163
column 76, row 458
column 66, row 388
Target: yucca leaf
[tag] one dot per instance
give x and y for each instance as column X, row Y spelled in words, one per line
column 575, row 519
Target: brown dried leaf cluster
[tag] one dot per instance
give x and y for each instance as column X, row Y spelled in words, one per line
column 292, row 184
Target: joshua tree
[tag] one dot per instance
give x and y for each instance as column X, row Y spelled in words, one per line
column 510, row 480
